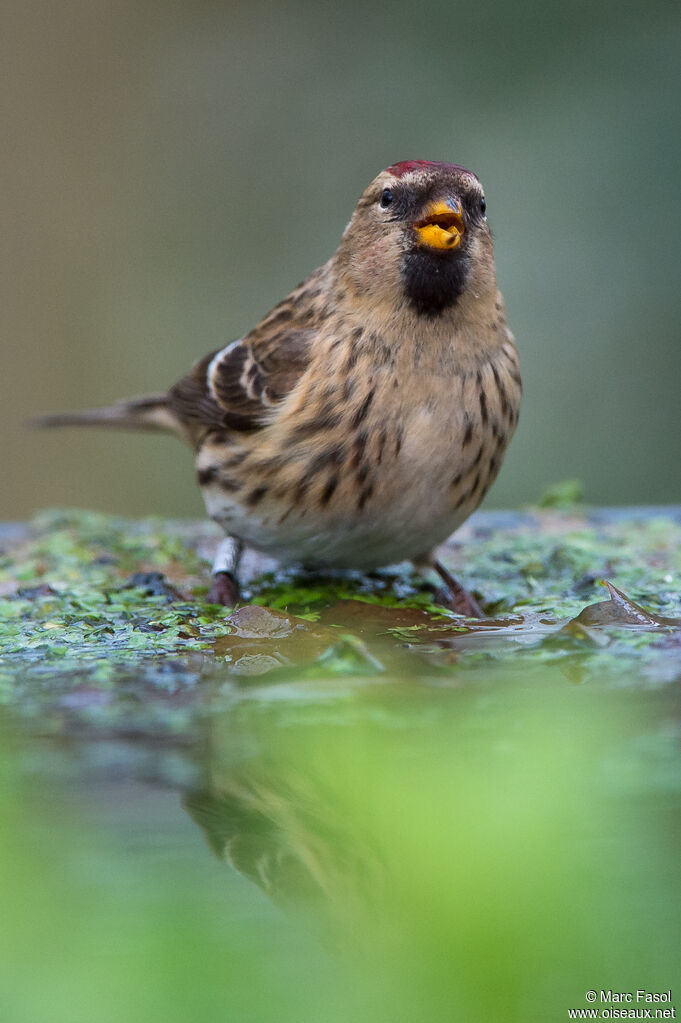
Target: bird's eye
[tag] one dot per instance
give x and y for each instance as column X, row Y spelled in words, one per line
column 483, row 205
column 386, row 198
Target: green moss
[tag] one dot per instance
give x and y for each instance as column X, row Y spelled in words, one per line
column 71, row 616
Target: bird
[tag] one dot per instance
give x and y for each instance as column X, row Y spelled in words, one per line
column 365, row 417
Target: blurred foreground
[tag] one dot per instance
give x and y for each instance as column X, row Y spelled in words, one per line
column 483, row 853
column 324, row 812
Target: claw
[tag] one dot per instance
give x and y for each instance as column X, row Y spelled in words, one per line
column 456, row 597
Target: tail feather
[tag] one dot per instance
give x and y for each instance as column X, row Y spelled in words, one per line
column 150, row 412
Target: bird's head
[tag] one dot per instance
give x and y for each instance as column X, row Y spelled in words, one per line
column 419, row 235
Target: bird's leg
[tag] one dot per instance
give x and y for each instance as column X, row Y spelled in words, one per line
column 461, row 601
column 455, row 596
column 225, row 585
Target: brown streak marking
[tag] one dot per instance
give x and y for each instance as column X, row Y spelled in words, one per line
column 329, row 490
column 483, row 400
column 354, row 349
column 255, row 496
column 207, row 475
column 235, row 460
column 330, row 456
column 220, row 437
column 503, row 397
column 364, row 496
column 301, row 489
column 359, row 448
column 363, row 409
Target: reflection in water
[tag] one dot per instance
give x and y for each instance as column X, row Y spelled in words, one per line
column 287, row 839
column 462, row 821
column 484, row 853
column 480, row 847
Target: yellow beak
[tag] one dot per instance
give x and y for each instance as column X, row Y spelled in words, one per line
column 442, row 227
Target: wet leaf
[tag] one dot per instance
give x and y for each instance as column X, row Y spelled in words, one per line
column 621, row 610
column 255, row 622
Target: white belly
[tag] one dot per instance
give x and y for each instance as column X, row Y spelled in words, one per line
column 411, row 512
column 401, row 532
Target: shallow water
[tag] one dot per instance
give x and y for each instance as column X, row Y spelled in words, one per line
column 347, row 810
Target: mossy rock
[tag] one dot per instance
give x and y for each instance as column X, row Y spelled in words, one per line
column 107, row 617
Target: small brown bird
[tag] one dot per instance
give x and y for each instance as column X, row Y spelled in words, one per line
column 366, row 416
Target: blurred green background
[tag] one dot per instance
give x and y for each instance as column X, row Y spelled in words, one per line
column 172, row 169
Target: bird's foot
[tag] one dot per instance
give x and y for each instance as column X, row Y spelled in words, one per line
column 455, row 597
column 224, row 589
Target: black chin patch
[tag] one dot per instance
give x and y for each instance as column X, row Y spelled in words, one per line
column 433, row 281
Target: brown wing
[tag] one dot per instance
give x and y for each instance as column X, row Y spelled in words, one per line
column 249, row 378
column 192, row 404
column 238, row 386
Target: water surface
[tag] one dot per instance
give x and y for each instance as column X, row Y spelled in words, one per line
column 332, row 807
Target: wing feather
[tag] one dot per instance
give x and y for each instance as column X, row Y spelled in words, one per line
column 239, row 386
column 249, row 380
